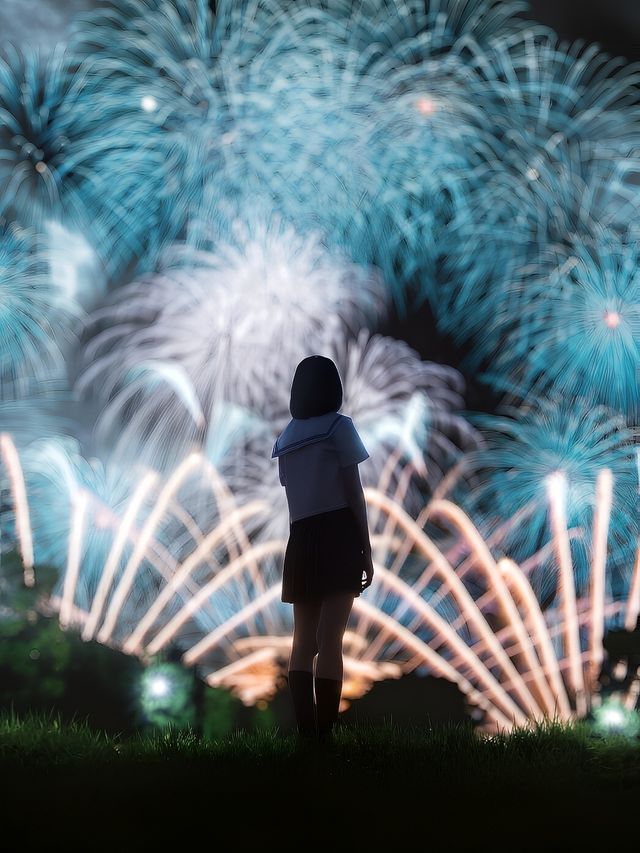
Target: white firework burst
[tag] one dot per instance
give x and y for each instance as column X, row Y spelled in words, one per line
column 215, row 327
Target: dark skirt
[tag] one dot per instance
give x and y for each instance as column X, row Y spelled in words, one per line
column 324, row 555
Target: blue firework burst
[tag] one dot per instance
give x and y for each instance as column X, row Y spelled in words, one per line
column 578, row 334
column 35, row 315
column 159, row 56
column 337, row 139
column 558, row 115
column 69, row 154
column 558, row 165
column 161, row 62
column 524, row 447
column 40, row 415
column 401, row 31
column 550, row 92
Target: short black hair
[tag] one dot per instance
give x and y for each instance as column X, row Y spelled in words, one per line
column 316, row 388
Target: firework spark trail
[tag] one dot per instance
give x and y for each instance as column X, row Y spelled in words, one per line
column 604, row 493
column 468, row 659
column 156, row 555
column 436, row 663
column 557, row 488
column 251, row 557
column 519, row 583
column 458, row 590
column 23, row 523
column 421, row 583
column 80, row 504
column 543, row 672
column 452, row 554
column 633, row 600
column 496, row 590
column 524, row 447
column 495, row 580
column 124, row 586
column 226, row 503
column 111, row 565
column 232, row 570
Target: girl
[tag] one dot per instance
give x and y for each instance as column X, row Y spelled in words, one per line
column 328, row 551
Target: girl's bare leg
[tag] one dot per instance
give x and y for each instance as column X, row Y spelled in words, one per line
column 332, row 624
column 305, row 627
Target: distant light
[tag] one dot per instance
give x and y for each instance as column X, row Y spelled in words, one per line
column 166, row 696
column 149, row 103
column 425, row 106
column 612, row 319
column 532, row 174
column 159, row 686
column 612, row 717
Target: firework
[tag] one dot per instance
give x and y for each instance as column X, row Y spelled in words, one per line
column 409, row 413
column 566, row 442
column 579, row 333
column 69, row 153
column 560, row 163
column 34, row 314
column 223, row 326
column 174, row 72
column 454, row 609
column 405, row 408
column 260, row 180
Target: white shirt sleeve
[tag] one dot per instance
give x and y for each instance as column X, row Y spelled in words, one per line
column 348, row 443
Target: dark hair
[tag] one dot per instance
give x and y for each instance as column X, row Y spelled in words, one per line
column 316, row 388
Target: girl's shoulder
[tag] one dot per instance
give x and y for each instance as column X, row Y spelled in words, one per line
column 300, row 432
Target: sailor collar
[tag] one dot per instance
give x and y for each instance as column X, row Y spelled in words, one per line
column 300, row 432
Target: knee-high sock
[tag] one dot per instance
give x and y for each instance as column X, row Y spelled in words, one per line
column 301, row 688
column 328, row 692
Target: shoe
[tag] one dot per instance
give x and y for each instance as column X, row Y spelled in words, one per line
column 301, row 687
column 328, row 692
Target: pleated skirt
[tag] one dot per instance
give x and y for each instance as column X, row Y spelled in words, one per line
column 324, row 555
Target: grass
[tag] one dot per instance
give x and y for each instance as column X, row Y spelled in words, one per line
column 553, row 778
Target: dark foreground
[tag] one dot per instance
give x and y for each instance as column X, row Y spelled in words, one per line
column 66, row 787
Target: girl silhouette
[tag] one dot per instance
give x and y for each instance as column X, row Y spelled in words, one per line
column 328, row 551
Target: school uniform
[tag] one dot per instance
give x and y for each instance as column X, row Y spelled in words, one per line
column 325, row 552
